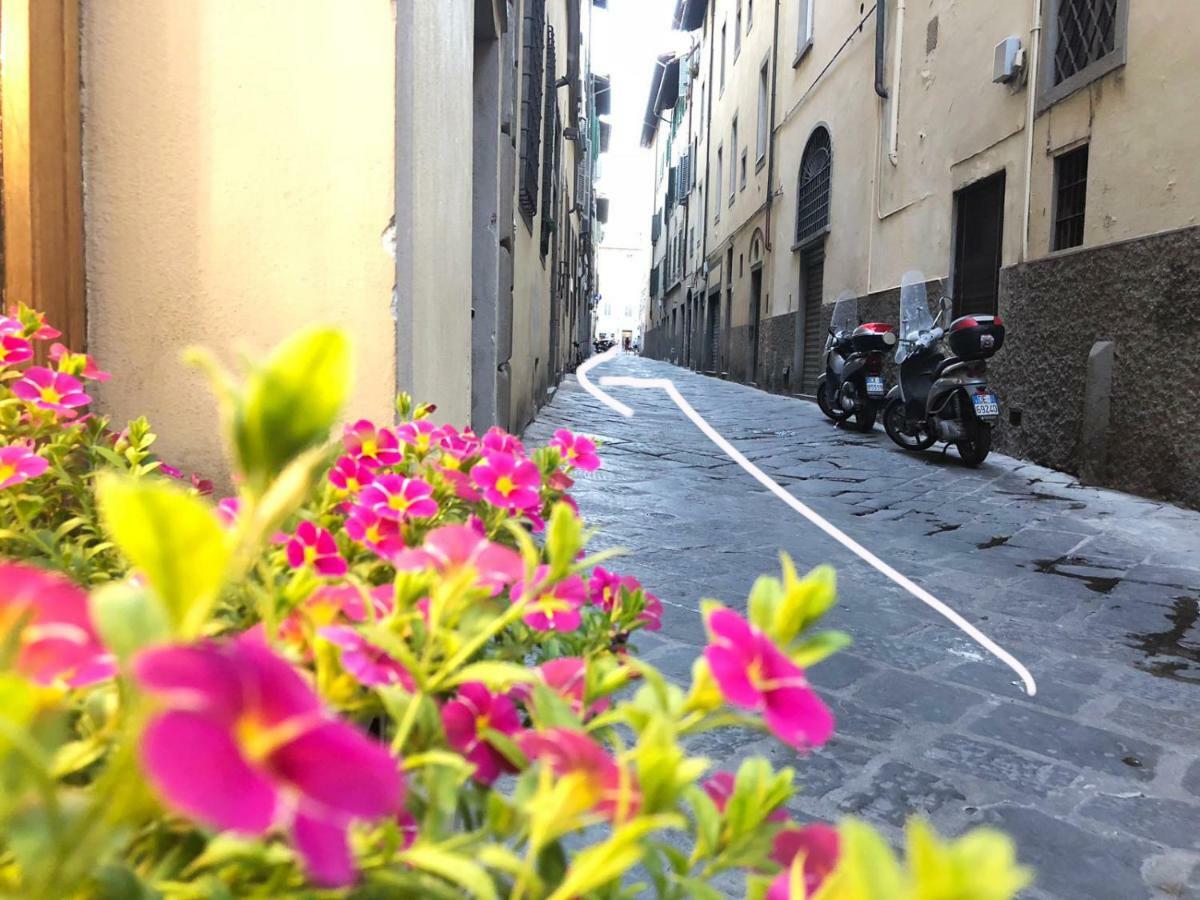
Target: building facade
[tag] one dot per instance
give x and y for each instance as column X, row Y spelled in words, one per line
column 1028, row 158
column 622, row 298
column 222, row 173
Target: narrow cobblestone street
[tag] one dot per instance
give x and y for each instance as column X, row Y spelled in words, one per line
column 1096, row 777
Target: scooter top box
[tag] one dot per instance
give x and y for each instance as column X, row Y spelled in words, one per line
column 872, row 337
column 975, row 337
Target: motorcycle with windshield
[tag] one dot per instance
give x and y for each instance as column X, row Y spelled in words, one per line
column 942, row 397
column 852, row 384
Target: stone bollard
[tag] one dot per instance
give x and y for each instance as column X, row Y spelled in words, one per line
column 1097, row 403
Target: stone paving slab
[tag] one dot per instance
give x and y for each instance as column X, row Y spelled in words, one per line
column 1097, row 777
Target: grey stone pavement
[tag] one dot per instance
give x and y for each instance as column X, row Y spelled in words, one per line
column 1097, row 777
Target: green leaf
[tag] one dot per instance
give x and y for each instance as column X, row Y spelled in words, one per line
column 804, row 601
column 459, row 870
column 981, row 865
column 128, row 617
column 708, row 822
column 601, row 863
column 289, row 404
column 763, row 601
column 496, row 675
column 550, row 710
column 866, row 869
column 173, row 538
column 818, row 647
column 564, row 540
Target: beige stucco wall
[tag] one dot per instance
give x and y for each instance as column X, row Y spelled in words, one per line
column 238, row 161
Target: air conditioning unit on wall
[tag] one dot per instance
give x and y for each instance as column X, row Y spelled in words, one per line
column 1009, row 62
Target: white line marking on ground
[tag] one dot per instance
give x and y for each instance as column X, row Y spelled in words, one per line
column 769, row 483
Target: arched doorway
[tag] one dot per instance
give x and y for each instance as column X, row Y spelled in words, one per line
column 813, row 195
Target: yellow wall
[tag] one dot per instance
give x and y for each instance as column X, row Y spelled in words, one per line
column 238, row 162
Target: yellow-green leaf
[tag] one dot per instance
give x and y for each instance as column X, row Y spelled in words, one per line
column 496, row 675
column 459, row 870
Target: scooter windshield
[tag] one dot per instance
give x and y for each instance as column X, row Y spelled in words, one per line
column 845, row 313
column 914, row 313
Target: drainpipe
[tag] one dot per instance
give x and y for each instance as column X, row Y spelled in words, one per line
column 894, row 147
column 880, row 46
column 771, row 129
column 1035, row 48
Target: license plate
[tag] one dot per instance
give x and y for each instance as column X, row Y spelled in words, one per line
column 874, row 386
column 986, row 406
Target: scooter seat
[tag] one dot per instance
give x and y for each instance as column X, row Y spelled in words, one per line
column 945, row 364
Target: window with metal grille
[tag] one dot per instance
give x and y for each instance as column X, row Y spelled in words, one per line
column 550, row 143
column 1070, row 197
column 532, row 75
column 812, row 201
column 1087, row 31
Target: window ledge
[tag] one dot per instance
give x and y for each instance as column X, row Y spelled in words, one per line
column 1077, row 82
column 802, row 52
column 809, row 240
column 762, row 161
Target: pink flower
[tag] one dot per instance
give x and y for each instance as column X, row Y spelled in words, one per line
column 19, row 464
column 365, row 662
column 373, row 446
column 472, row 712
column 398, row 498
column 456, row 446
column 227, row 511
column 350, row 475
column 10, row 325
column 755, row 674
column 510, row 482
column 819, row 847
column 461, row 482
column 244, row 745
column 330, row 604
column 57, row 641
column 652, row 612
column 497, row 440
column 420, row 434
column 90, row 370
column 170, row 471
column 50, row 390
column 14, row 349
column 458, row 548
column 577, row 450
column 719, row 788
column 314, row 547
column 202, row 486
column 567, row 677
column 604, row 587
column 605, row 786
column 380, row 535
column 557, row 607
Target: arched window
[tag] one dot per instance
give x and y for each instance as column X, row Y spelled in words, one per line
column 812, row 200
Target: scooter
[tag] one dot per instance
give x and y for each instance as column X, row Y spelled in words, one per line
column 940, row 397
column 852, row 384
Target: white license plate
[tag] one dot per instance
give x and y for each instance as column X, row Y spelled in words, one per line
column 986, row 406
column 874, row 386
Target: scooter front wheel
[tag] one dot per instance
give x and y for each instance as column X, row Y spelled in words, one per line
column 896, row 424
column 824, row 401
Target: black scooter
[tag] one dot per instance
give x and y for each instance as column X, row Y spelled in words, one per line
column 852, row 384
column 942, row 397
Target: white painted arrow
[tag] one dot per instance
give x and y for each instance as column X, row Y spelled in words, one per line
column 770, row 484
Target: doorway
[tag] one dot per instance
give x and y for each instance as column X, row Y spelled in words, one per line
column 978, row 245
column 714, row 331
column 812, row 286
column 755, row 319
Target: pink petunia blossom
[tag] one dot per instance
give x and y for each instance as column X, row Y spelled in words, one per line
column 458, row 548
column 560, row 480
column 508, row 481
column 474, row 710
column 57, row 641
column 461, row 482
column 19, row 464
column 557, row 607
column 170, row 471
column 754, row 674
column 497, row 440
column 604, row 587
column 566, row 677
column 244, row 745
column 652, row 612
column 14, row 349
column 90, row 371
column 373, row 446
column 11, row 325
column 719, row 788
column 365, row 662
column 350, row 475
column 227, row 511
column 203, row 486
column 457, row 445
column 314, row 547
column 607, row 787
column 54, row 391
column 819, row 847
column 381, row 536
column 420, row 434
column 331, row 604
column 577, row 451
column 398, row 498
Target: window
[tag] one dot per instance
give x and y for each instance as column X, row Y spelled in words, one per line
column 550, row 145
column 720, row 181
column 737, row 31
column 1070, row 197
column 733, row 157
column 749, row 15
column 804, row 39
column 1088, row 40
column 723, row 58
column 532, row 51
column 743, row 178
column 763, row 103
column 812, row 197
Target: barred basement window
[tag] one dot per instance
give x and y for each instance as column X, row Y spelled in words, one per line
column 1070, row 197
column 550, row 143
column 812, row 201
column 532, row 74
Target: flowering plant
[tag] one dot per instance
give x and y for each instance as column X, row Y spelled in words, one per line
column 386, row 666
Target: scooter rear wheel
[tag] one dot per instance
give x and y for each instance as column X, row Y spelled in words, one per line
column 975, row 449
column 824, row 401
column 864, row 419
column 895, row 423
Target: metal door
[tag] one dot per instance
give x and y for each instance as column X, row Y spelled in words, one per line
column 978, row 241
column 812, row 279
column 714, row 329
